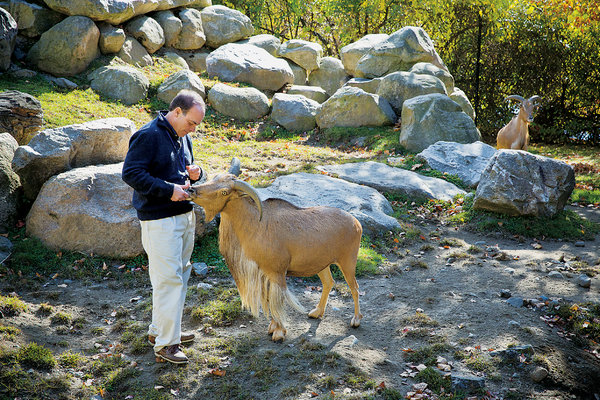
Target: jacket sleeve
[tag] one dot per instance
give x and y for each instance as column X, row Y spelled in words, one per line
column 190, row 146
column 137, row 167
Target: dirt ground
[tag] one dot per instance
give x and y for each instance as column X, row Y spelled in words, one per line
column 461, row 296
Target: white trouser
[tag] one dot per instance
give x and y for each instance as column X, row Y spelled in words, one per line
column 169, row 243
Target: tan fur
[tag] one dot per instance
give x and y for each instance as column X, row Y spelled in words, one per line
column 515, row 134
column 287, row 241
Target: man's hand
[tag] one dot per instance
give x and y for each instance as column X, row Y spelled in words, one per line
column 179, row 193
column 193, row 172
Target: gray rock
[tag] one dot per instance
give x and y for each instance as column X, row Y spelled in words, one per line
column 514, row 323
column 538, row 374
column 513, row 353
column 204, row 286
column 394, row 180
column 580, row 243
column 304, row 53
column 21, row 115
column 584, row 281
column 307, row 190
column 400, row 86
column 330, row 75
column 67, row 48
column 196, row 60
column 250, row 64
column 351, row 106
column 400, row 51
column 9, row 184
column 127, row 84
column 146, row 31
column 191, row 36
column 57, row 150
column 33, row 19
column 368, row 85
column 6, row 247
column 266, row 42
column 310, row 92
column 111, row 38
column 516, row 302
column 300, row 76
column 23, row 73
column 459, row 97
column 430, row 69
column 555, row 275
column 60, row 82
column 294, row 112
column 176, row 59
column 224, row 25
column 467, row 384
column 467, row 161
column 430, row 118
column 350, row 54
column 240, row 103
column 171, row 26
column 132, row 52
column 200, row 268
column 505, row 293
column 516, row 182
column 77, row 207
column 184, row 79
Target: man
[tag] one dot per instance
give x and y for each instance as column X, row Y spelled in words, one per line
column 159, row 167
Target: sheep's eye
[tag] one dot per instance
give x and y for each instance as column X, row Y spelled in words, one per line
column 224, row 193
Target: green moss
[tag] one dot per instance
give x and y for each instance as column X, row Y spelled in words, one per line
column 12, row 305
column 36, row 356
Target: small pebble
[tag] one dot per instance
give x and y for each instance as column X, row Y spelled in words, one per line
column 205, row 286
column 505, row 293
column 555, row 275
column 480, row 243
column 514, row 323
column 584, row 281
column 509, row 270
column 538, row 374
column 580, row 243
column 515, row 301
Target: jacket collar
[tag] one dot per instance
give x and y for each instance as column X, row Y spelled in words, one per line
column 163, row 122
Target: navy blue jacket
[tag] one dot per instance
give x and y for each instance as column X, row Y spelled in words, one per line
column 156, row 161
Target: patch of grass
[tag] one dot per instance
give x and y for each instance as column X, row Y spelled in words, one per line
column 12, row 305
column 121, row 380
column 418, row 263
column 427, row 247
column 420, row 319
column 45, row 309
column 9, row 332
column 427, row 354
column 474, row 249
column 581, row 319
column 460, row 255
column 207, row 250
column 434, row 380
column 218, row 306
column 381, row 140
column 450, row 242
column 412, row 163
column 61, row 318
column 104, row 366
column 71, row 360
column 35, row 356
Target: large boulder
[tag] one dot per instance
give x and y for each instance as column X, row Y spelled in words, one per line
column 300, row 75
column 350, row 54
column 176, row 59
column 249, row 64
column 132, row 52
column 399, row 52
column 516, row 182
column 330, row 75
column 171, row 26
column 67, row 48
column 147, row 31
column 304, row 53
column 266, row 42
column 430, row 118
column 8, row 37
column 459, row 97
column 9, row 182
column 196, row 60
column 116, row 12
column 224, row 25
column 294, row 112
column 33, row 19
column 307, row 190
column 122, row 83
column 467, row 161
column 53, row 151
column 191, row 36
column 184, row 79
column 240, row 103
column 430, row 69
column 87, row 210
column 352, row 106
column 368, row 85
column 394, row 180
column 6, row 248
column 21, row 115
column 310, row 92
column 400, row 86
column 111, row 38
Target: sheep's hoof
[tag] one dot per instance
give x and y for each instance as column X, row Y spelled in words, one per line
column 272, row 327
column 316, row 313
column 355, row 323
column 279, row 335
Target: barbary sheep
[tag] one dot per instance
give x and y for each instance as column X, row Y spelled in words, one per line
column 263, row 242
column 515, row 134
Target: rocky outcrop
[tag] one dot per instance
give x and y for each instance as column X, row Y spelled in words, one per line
column 146, row 31
column 33, row 19
column 330, row 75
column 266, row 42
column 53, row 151
column 430, row 69
column 304, row 53
column 350, row 54
column 459, row 97
column 67, row 48
column 310, row 92
column 467, row 161
column 400, row 86
column 9, row 182
column 8, row 37
column 184, row 79
column 224, row 25
column 394, row 180
column 368, row 85
column 352, row 106
column 239, row 103
column 191, row 36
column 516, row 182
column 250, row 64
column 364, row 203
column 294, row 112
column 20, row 115
column 132, row 52
column 127, row 84
column 399, row 52
column 430, row 118
column 111, row 38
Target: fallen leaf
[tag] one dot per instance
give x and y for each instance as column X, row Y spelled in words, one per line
column 217, row 372
column 536, row 246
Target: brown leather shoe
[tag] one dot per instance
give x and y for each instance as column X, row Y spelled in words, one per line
column 185, row 338
column 172, row 354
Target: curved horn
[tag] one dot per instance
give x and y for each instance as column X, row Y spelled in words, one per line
column 236, row 166
column 249, row 190
column 534, row 99
column 515, row 97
